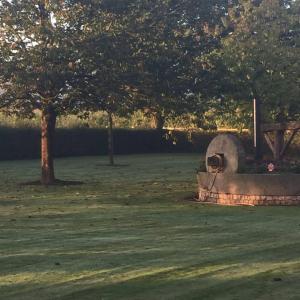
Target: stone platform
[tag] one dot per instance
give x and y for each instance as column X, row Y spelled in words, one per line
column 249, row 189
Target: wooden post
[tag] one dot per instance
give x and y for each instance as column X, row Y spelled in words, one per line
column 278, row 144
column 275, row 137
column 257, row 129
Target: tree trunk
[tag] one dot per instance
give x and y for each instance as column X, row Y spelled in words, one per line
column 279, row 134
column 110, row 139
column 158, row 121
column 48, row 123
column 257, row 129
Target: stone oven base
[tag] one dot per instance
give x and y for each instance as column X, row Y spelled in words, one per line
column 251, row 200
column 249, row 189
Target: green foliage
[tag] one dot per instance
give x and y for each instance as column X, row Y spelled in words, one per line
column 160, row 57
column 168, row 36
column 37, row 59
column 105, row 58
column 99, row 119
column 261, row 58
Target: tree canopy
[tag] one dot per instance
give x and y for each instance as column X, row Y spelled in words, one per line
column 260, row 58
column 37, row 67
column 164, row 57
column 38, row 64
column 168, row 36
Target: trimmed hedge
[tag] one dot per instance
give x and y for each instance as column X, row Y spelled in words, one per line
column 24, row 143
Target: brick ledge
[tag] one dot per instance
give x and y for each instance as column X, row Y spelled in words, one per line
column 251, row 200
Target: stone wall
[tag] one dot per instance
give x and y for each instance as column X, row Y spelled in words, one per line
column 249, row 189
column 252, row 200
column 251, row 184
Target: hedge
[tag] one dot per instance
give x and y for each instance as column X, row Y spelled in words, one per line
column 24, row 143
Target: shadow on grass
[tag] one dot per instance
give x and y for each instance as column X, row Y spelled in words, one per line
column 170, row 283
column 194, row 282
column 57, row 182
column 112, row 166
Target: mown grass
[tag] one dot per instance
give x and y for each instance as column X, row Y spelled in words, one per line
column 127, row 233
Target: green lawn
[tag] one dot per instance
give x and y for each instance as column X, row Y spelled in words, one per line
column 127, row 233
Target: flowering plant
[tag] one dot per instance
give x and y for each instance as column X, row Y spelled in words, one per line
column 271, row 167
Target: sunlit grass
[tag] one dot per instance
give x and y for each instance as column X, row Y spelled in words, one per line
column 127, row 233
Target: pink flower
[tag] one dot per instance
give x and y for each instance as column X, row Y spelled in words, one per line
column 271, row 167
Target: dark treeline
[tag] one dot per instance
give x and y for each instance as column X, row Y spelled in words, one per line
column 167, row 58
column 24, row 143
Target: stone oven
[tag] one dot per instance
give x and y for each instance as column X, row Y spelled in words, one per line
column 226, row 181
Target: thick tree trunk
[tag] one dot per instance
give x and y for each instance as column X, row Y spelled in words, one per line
column 48, row 123
column 110, row 139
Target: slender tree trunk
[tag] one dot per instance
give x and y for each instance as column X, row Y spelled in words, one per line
column 48, row 123
column 257, row 129
column 158, row 121
column 279, row 134
column 110, row 139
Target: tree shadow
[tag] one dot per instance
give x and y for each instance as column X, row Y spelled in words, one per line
column 113, row 166
column 57, row 182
